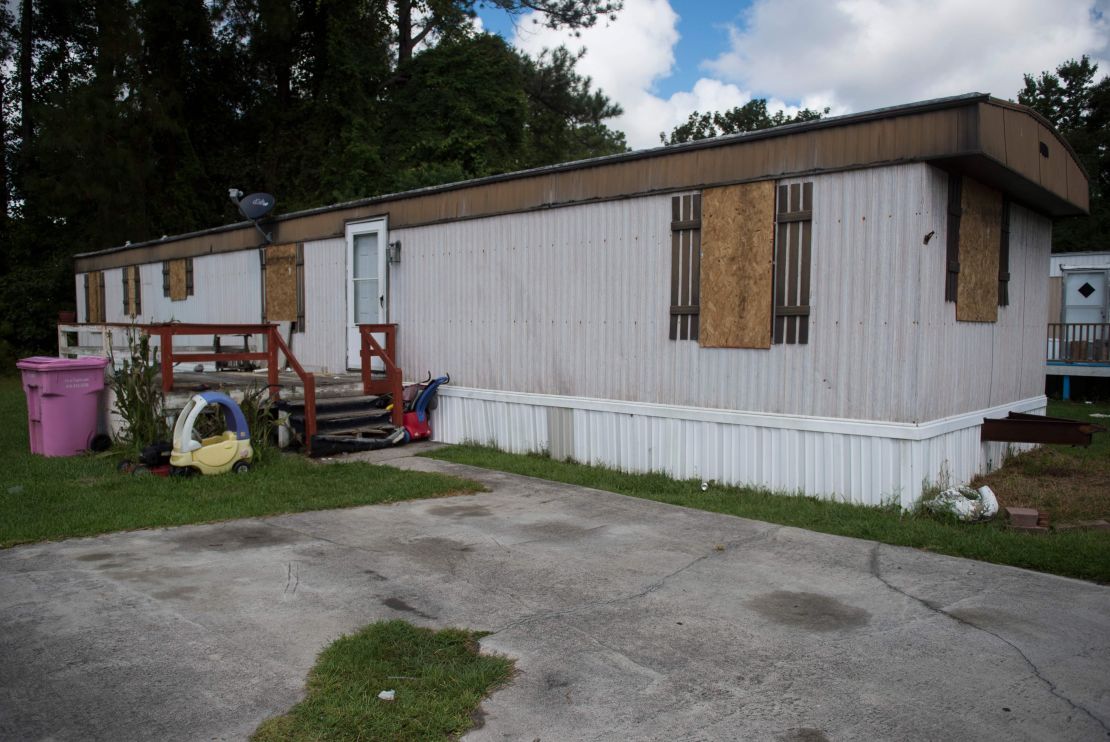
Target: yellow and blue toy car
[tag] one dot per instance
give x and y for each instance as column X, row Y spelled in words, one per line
column 229, row 451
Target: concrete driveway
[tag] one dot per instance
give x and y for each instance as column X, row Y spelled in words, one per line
column 628, row 620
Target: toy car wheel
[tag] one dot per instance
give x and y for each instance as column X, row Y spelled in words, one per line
column 241, row 467
column 180, row 471
column 140, row 471
column 124, row 466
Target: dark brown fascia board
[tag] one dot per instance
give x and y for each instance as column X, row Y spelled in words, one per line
column 1047, row 124
column 145, row 252
column 990, row 171
column 721, row 141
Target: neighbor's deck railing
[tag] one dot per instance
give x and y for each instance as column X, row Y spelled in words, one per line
column 1078, row 342
column 392, row 384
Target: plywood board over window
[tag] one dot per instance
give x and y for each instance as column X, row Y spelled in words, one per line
column 94, row 297
column 737, row 245
column 980, row 236
column 282, row 283
column 177, row 279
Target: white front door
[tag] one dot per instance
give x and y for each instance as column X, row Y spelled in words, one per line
column 367, row 284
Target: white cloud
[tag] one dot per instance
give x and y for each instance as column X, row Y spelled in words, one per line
column 861, row 54
column 626, row 59
column 849, row 55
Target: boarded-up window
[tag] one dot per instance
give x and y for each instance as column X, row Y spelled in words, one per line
column 1004, row 257
column 794, row 218
column 980, row 221
column 738, row 238
column 978, row 250
column 685, row 266
column 177, row 279
column 94, row 297
column 132, row 292
column 283, row 283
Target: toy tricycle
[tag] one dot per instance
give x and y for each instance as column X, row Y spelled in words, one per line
column 229, row 451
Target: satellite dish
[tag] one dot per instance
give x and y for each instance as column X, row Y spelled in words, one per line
column 256, row 205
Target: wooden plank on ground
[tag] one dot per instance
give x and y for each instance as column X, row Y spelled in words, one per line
column 737, row 246
column 980, row 232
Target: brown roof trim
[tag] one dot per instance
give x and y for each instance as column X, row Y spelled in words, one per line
column 957, row 127
column 721, row 141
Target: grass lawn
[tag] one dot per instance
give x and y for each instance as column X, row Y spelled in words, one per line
column 1069, row 483
column 52, row 498
column 439, row 679
column 1082, row 554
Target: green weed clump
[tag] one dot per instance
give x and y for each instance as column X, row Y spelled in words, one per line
column 139, row 399
column 439, row 678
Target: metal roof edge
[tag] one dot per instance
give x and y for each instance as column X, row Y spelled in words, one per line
column 712, row 142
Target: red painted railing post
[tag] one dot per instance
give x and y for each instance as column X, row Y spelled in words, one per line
column 365, row 357
column 272, row 378
column 309, row 410
column 165, row 342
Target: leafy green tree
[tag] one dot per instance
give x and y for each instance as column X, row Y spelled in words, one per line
column 123, row 120
column 566, row 117
column 461, row 115
column 1079, row 107
column 416, row 21
column 752, row 116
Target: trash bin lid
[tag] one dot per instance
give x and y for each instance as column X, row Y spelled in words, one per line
column 50, row 363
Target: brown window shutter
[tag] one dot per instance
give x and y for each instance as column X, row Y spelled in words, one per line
column 138, row 292
column 1004, row 256
column 952, row 280
column 793, row 259
column 685, row 266
column 300, row 287
column 102, row 308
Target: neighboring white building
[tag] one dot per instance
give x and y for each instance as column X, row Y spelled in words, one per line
column 829, row 307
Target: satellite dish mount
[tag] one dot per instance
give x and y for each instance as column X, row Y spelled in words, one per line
column 253, row 207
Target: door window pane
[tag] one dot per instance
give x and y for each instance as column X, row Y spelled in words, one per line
column 366, row 255
column 366, row 301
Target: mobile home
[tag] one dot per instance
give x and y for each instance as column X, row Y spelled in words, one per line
column 830, row 307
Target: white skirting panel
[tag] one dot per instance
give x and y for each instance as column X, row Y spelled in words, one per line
column 867, row 462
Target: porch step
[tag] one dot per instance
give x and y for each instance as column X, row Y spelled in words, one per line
column 355, row 415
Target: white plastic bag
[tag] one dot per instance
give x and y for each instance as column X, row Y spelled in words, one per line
column 965, row 503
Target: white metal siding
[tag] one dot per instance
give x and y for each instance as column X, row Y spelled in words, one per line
column 113, row 296
column 575, row 301
column 1077, row 260
column 872, row 468
column 82, row 315
column 966, row 366
column 226, row 289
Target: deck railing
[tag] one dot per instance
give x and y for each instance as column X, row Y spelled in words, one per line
column 1078, row 342
column 274, row 342
column 392, row 383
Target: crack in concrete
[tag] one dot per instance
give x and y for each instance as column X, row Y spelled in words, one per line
column 292, row 578
column 876, row 572
column 650, row 588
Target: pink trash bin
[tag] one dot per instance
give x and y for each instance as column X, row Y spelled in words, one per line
column 63, row 402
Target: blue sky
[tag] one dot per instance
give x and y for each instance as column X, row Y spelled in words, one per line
column 663, row 59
